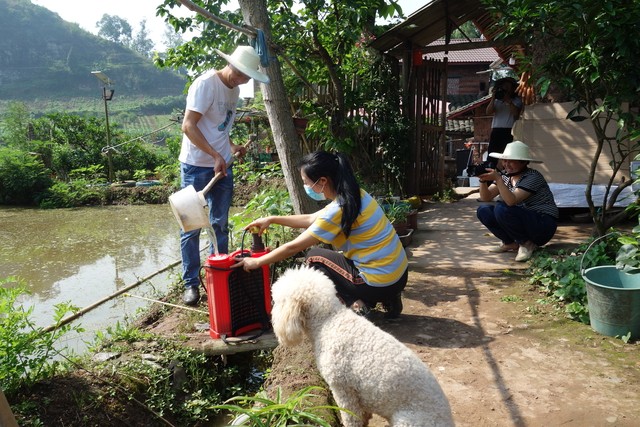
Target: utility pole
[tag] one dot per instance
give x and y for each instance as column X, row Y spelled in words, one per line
column 107, row 95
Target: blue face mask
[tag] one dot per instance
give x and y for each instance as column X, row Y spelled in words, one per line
column 315, row 196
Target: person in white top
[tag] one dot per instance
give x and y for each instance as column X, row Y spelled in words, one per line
column 207, row 149
column 506, row 108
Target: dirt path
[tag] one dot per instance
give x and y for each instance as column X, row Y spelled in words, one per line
column 502, row 357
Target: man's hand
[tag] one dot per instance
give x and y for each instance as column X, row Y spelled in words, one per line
column 238, row 151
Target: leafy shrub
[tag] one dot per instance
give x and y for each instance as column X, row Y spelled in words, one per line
column 271, row 201
column 26, row 351
column 92, row 173
column 22, row 177
column 559, row 275
column 168, row 174
column 73, row 194
column 252, row 172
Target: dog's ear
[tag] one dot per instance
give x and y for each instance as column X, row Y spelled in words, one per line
column 290, row 319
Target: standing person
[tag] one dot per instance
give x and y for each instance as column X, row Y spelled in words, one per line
column 506, row 108
column 526, row 216
column 207, row 149
column 371, row 266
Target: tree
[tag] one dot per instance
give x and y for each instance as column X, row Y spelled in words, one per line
column 15, row 131
column 321, row 39
column 141, row 43
column 172, row 39
column 466, row 30
column 591, row 52
column 115, row 29
column 317, row 42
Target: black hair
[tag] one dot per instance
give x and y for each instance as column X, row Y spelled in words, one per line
column 337, row 168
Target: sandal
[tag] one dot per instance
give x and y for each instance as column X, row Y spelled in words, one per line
column 361, row 308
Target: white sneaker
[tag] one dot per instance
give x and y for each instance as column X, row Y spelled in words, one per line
column 526, row 251
column 504, row 248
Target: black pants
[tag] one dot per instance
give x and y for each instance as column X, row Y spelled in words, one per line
column 349, row 284
column 498, row 141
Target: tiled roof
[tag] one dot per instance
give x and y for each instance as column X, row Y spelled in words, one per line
column 464, row 126
column 460, row 111
column 456, row 101
column 485, row 54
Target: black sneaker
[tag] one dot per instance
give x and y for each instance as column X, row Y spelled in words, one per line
column 393, row 307
column 191, row 295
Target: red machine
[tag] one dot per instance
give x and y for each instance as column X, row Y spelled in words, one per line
column 239, row 301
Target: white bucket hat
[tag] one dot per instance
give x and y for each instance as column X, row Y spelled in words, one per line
column 516, row 150
column 246, row 60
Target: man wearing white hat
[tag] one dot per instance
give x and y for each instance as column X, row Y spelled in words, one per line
column 207, row 149
column 526, row 215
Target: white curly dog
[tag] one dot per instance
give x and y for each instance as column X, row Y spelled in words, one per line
column 368, row 370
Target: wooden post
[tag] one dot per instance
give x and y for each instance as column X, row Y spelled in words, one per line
column 6, row 416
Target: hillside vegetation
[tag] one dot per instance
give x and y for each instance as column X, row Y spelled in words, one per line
column 46, row 63
column 43, row 56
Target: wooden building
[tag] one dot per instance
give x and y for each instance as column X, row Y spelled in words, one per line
column 423, row 47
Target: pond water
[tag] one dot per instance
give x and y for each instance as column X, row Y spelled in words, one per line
column 83, row 255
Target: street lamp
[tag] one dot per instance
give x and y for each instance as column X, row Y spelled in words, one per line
column 107, row 94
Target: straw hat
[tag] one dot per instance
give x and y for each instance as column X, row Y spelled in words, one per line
column 246, row 60
column 516, row 150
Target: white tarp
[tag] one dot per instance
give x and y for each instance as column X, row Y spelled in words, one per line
column 573, row 195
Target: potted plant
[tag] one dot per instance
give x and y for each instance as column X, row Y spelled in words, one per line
column 398, row 214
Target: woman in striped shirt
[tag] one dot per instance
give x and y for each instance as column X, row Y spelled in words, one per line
column 369, row 264
column 526, row 216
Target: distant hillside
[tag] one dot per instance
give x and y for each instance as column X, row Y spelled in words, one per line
column 43, row 56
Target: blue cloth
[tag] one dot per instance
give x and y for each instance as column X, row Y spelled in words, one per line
column 517, row 224
column 260, row 46
column 219, row 200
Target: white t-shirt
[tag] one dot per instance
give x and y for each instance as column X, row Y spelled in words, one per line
column 502, row 118
column 217, row 103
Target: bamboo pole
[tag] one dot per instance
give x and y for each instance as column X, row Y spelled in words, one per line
column 107, row 298
column 184, row 307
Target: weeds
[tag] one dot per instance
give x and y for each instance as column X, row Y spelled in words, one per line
column 26, row 351
column 447, row 195
column 559, row 275
column 264, row 412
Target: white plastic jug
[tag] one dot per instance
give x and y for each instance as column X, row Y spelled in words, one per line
column 190, row 207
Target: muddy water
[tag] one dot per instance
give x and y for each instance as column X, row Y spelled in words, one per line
column 83, row 255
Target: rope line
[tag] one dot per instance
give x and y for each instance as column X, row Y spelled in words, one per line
column 107, row 148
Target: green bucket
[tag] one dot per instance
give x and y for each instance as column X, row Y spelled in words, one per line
column 614, row 301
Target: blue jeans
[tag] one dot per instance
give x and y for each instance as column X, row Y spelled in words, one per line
column 219, row 201
column 517, row 224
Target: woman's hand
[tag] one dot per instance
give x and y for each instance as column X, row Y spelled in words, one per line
column 246, row 263
column 259, row 225
column 491, row 175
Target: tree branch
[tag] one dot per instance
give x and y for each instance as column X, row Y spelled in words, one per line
column 248, row 30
